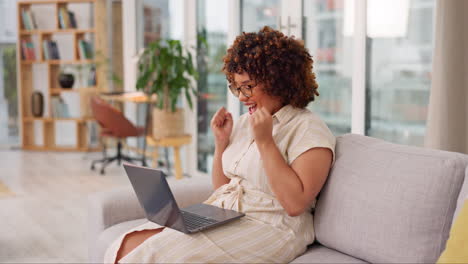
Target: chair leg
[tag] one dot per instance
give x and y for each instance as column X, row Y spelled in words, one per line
column 97, row 161
column 130, row 159
column 119, row 157
column 105, row 163
column 119, row 152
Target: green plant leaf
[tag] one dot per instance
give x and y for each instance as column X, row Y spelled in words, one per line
column 188, row 98
column 165, row 63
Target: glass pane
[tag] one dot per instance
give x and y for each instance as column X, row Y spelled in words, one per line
column 259, row 13
column 9, row 123
column 9, row 132
column 329, row 40
column 399, row 62
column 212, row 86
column 255, row 14
column 158, row 19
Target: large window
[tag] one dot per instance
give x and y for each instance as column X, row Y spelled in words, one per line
column 212, row 89
column 330, row 43
column 399, row 58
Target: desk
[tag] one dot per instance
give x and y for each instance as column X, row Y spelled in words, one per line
column 135, row 97
column 176, row 143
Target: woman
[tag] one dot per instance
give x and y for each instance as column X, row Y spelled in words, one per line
column 270, row 165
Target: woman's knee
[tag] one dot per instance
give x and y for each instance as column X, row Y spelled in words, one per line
column 133, row 240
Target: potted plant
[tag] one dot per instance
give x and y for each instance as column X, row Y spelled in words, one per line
column 167, row 70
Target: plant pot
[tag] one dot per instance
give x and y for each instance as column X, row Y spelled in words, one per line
column 66, row 80
column 168, row 124
column 37, row 104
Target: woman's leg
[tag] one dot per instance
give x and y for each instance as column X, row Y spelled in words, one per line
column 134, row 239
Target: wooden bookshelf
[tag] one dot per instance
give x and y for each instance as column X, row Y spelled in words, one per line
column 26, row 85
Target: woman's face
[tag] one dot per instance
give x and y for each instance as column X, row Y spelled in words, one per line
column 258, row 97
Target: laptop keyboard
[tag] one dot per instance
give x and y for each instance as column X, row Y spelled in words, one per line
column 193, row 221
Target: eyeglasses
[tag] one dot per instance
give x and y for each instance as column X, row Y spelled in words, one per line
column 245, row 89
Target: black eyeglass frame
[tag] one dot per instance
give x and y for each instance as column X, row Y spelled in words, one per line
column 245, row 89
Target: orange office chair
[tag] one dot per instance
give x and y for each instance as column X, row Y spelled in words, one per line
column 114, row 124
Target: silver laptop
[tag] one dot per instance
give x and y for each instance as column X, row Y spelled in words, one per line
column 156, row 198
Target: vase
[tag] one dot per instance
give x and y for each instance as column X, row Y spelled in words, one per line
column 66, row 80
column 37, row 104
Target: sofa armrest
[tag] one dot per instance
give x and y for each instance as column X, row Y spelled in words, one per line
column 109, row 208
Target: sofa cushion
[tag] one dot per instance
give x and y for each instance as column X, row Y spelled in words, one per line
column 320, row 254
column 385, row 202
column 109, row 235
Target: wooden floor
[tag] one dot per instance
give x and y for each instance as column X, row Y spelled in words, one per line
column 44, row 220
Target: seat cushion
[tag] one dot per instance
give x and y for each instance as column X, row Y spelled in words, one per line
column 389, row 203
column 109, row 235
column 320, row 254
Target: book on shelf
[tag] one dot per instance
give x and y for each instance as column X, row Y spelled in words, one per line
column 45, row 49
column 50, row 49
column 59, row 107
column 54, row 50
column 92, row 77
column 27, row 50
column 29, row 21
column 72, row 19
column 66, row 18
column 84, row 50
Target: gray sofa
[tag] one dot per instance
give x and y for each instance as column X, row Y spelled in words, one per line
column 382, row 203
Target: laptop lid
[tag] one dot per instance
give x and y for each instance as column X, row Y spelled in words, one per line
column 155, row 196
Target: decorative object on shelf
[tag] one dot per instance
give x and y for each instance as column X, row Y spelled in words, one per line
column 167, row 70
column 66, row 80
column 37, row 104
column 59, row 107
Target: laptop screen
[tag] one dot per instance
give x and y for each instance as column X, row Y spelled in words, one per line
column 155, row 196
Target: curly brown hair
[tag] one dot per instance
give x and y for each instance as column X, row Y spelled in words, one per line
column 281, row 63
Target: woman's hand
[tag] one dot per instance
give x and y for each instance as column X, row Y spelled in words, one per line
column 261, row 123
column 221, row 125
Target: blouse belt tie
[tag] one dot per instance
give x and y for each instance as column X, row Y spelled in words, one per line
column 234, row 191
